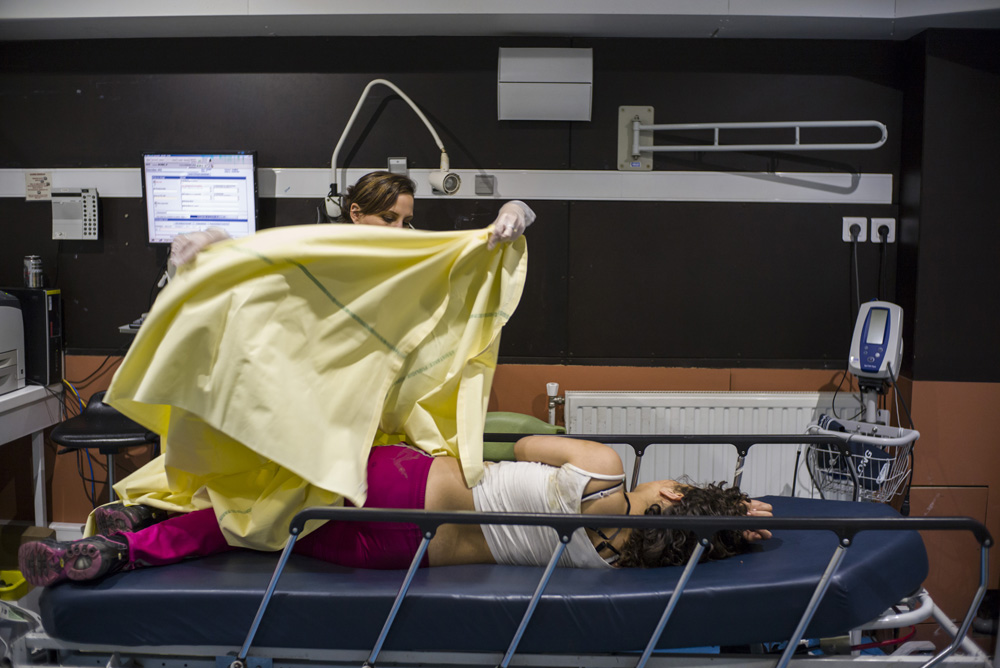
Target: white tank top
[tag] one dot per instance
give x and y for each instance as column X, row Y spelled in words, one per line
column 530, row 487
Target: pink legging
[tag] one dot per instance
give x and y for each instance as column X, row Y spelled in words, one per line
column 397, row 478
column 195, row 534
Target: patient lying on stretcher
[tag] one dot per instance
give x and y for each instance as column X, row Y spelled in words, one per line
column 551, row 474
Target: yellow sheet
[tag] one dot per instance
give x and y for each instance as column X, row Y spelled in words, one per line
column 271, row 364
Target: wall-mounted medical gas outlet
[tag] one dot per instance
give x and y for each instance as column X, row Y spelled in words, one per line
column 877, row 224
column 849, row 222
column 74, row 213
column 486, row 184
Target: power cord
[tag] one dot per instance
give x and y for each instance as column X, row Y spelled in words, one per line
column 161, row 277
column 100, row 370
column 833, row 402
column 906, row 409
column 855, row 231
column 904, row 508
column 883, row 263
column 80, row 453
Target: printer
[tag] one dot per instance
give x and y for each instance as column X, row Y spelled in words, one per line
column 11, row 344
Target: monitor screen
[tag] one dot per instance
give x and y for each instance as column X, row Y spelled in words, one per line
column 187, row 192
column 876, row 325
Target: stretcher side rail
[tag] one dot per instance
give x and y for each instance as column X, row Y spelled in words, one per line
column 742, row 442
column 703, row 527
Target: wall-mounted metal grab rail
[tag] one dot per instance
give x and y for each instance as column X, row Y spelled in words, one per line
column 717, row 128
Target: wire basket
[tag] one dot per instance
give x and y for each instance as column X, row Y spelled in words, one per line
column 882, row 470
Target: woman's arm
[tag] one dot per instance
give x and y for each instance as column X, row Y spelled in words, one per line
column 590, row 456
column 558, row 450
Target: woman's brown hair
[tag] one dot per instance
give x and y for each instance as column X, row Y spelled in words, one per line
column 375, row 193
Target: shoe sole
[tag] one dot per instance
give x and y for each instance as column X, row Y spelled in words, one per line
column 42, row 564
column 84, row 561
column 111, row 520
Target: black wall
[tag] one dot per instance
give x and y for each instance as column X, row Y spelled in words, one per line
column 672, row 283
column 956, row 313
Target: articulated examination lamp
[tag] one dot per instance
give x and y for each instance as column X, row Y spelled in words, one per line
column 442, row 180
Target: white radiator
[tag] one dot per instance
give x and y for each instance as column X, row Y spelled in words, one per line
column 769, row 469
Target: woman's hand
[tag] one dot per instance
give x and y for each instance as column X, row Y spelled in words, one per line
column 757, row 508
column 513, row 219
column 185, row 246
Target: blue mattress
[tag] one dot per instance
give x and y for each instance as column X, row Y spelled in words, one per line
column 756, row 597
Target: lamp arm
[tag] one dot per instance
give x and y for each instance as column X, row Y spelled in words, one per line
column 354, row 115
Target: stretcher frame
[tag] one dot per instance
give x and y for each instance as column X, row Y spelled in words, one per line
column 36, row 648
column 845, row 528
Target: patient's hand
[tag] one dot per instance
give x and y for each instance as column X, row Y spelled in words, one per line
column 757, row 508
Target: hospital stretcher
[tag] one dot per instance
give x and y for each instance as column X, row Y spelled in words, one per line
column 832, row 568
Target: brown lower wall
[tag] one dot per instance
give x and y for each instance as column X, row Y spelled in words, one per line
column 957, row 460
column 956, row 472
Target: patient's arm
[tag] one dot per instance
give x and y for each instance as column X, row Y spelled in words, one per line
column 558, row 450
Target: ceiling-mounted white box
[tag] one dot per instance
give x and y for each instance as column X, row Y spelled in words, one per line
column 545, row 84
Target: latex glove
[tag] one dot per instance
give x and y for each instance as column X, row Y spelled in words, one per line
column 186, row 246
column 513, row 219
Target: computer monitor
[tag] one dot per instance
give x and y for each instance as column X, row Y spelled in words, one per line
column 187, row 192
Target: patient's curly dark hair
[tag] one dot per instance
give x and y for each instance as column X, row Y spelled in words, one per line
column 651, row 548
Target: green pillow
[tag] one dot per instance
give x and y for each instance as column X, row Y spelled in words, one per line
column 502, row 422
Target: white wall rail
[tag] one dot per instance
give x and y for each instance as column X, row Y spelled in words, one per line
column 567, row 185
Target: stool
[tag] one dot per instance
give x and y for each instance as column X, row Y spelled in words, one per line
column 101, row 426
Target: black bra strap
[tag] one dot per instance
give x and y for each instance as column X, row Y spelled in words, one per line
column 605, row 543
column 601, row 493
column 608, row 546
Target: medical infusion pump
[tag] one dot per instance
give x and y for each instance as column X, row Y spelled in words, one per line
column 877, row 344
column 74, row 213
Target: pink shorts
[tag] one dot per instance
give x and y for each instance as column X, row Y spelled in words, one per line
column 397, row 478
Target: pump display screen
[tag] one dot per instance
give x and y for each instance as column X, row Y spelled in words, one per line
column 876, row 325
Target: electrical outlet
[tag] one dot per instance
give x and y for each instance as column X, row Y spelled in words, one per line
column 879, row 222
column 860, row 222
